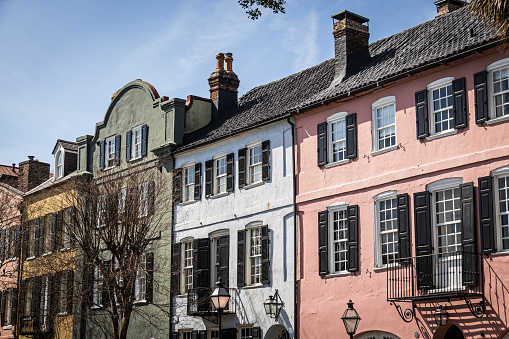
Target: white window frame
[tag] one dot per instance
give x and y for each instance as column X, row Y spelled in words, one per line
column 8, row 307
column 140, row 284
column 188, row 187
column 381, row 103
column 247, row 328
column 185, row 334
column 67, row 232
column 210, row 331
column 109, row 156
column 187, row 270
column 28, row 297
column 220, row 181
column 62, row 294
column 254, row 169
column 337, row 207
column 497, row 174
column 436, row 85
column 492, row 68
column 59, row 163
column 98, row 288
column 101, row 210
column 45, row 303
column 214, row 237
column 378, row 233
column 143, row 203
column 136, row 144
column 336, row 118
column 31, row 249
column 48, row 235
column 254, row 259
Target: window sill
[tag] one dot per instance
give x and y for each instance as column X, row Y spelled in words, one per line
column 256, row 184
column 346, row 161
column 189, row 202
column 95, row 307
column 30, row 258
column 388, row 149
column 442, row 134
column 219, row 195
column 8, row 327
column 46, row 254
column 10, row 259
column 253, row 286
column 61, row 314
column 384, row 268
column 140, row 302
column 108, row 168
column 65, row 249
column 500, row 253
column 497, row 120
column 339, row 274
column 134, row 159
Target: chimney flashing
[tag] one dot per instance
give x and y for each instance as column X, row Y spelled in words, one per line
column 350, row 16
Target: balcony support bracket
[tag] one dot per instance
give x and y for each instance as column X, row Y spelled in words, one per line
column 477, row 309
column 407, row 315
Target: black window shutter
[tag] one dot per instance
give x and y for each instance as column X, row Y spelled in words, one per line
column 128, row 142
column 486, row 217
column 223, row 259
column 353, row 238
column 2, row 246
column 175, row 268
column 265, row 255
column 70, row 291
column 177, row 185
column 242, row 167
column 229, row 172
column 57, row 244
column 201, row 263
column 151, row 196
column 423, row 240
column 321, row 140
column 351, row 136
column 118, row 146
column 23, row 287
column 105, row 300
column 53, row 288
column 230, row 333
column 36, row 302
column 2, row 306
column 209, row 165
column 14, row 306
column 459, row 103
column 149, row 293
column 403, row 226
column 17, row 241
column 257, row 333
column 42, row 233
column 323, row 242
column 101, row 154
column 37, row 239
column 241, row 254
column 144, row 138
column 266, row 160
column 469, row 260
column 25, row 239
column 197, row 181
column 175, row 335
column 481, row 97
column 421, row 114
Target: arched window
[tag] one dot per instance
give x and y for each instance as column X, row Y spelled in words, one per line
column 59, row 164
column 378, row 335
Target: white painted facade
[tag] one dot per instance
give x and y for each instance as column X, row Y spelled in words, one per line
column 269, row 203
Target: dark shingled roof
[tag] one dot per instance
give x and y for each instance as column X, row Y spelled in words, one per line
column 67, row 145
column 418, row 46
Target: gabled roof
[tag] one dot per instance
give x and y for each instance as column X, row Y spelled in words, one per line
column 52, row 182
column 10, row 188
column 67, row 145
column 8, row 170
column 433, row 41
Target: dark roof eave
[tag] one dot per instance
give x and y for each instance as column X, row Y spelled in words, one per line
column 396, row 77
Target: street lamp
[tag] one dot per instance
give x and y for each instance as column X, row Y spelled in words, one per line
column 273, row 305
column 220, row 298
column 351, row 319
column 441, row 316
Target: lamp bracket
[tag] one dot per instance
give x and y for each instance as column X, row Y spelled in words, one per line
column 477, row 309
column 407, row 315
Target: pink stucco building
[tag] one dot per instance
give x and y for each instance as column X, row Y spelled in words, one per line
column 412, row 162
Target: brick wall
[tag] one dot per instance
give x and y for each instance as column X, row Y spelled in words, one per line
column 32, row 173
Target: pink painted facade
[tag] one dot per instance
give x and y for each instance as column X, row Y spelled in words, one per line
column 410, row 167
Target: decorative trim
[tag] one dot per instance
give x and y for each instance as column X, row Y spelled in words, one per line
column 407, row 315
column 440, row 83
column 444, row 184
column 337, row 116
column 337, row 205
column 500, row 171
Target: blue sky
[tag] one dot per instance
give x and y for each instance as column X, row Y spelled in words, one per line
column 61, row 60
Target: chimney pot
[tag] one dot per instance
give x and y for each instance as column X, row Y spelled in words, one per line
column 448, row 6
column 13, row 166
column 229, row 63
column 220, row 62
column 31, row 157
column 224, row 85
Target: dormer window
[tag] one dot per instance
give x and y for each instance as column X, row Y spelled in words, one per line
column 59, row 164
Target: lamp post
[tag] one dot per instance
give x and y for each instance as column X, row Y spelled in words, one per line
column 273, row 305
column 220, row 298
column 351, row 319
column 441, row 316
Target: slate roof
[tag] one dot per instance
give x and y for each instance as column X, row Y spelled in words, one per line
column 429, row 42
column 52, row 182
column 7, row 170
column 10, row 188
column 67, row 145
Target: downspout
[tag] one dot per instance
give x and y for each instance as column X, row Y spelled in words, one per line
column 295, row 313
column 170, row 331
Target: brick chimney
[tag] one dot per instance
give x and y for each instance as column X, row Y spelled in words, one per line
column 351, row 35
column 223, row 84
column 447, row 6
column 32, row 173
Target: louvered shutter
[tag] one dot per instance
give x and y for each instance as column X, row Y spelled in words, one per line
column 105, row 298
column 175, row 335
column 481, row 97
column 177, row 185
column 149, row 292
column 144, row 140
column 101, row 154
column 209, row 164
column 224, row 258
column 2, row 246
column 58, row 231
column 242, row 167
column 230, row 172
column 201, row 263
column 321, row 140
column 25, row 239
column 266, row 160
column 128, row 143
column 257, row 333
column 265, row 255
column 54, row 282
column 37, row 237
column 53, row 219
column 175, row 268
column 36, row 302
column 197, row 181
column 42, row 234
column 351, row 136
column 118, row 146
column 241, row 258
column 23, row 293
column 423, row 240
column 323, row 243
column 230, row 333
column 353, row 238
column 14, row 307
column 151, row 197
column 3, row 305
column 486, row 216
column 421, row 114
column 70, row 292
column 459, row 103
column 469, row 261
column 403, row 226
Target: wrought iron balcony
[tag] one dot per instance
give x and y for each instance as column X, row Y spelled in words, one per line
column 199, row 303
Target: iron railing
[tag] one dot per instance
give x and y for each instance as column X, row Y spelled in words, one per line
column 434, row 276
column 199, row 303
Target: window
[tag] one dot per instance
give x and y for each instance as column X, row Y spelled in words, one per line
column 213, row 334
column 141, row 280
column 384, row 124
column 186, row 334
column 98, row 288
column 59, row 164
column 101, row 211
column 246, row 333
column 62, row 294
column 48, row 232
column 27, row 294
column 187, row 266
column 337, row 139
column 255, row 255
column 220, row 175
column 253, row 263
column 45, row 303
column 110, row 152
column 136, row 143
column 9, row 299
column 188, row 183
column 219, row 255
column 386, row 223
column 255, row 164
column 144, row 200
column 441, row 106
column 339, row 240
column 33, row 225
column 499, row 88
